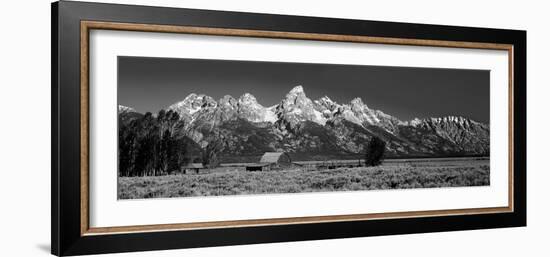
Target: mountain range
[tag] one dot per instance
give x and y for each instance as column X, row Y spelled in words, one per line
column 317, row 129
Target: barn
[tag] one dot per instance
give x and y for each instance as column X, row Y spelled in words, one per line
column 193, row 167
column 276, row 160
column 268, row 161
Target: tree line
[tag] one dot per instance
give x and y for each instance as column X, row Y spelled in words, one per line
column 151, row 146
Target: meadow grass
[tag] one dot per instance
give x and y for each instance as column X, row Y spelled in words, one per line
column 224, row 181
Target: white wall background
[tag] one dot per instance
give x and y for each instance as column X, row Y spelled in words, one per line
column 25, row 127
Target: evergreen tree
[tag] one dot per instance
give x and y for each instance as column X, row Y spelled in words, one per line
column 375, row 151
column 177, row 154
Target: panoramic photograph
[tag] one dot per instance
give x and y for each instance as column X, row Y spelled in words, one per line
column 203, row 127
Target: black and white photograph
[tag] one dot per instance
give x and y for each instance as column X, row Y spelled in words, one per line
column 200, row 127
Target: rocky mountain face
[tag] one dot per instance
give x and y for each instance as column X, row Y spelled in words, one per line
column 468, row 135
column 319, row 129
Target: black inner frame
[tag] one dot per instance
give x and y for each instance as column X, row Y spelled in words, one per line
column 65, row 165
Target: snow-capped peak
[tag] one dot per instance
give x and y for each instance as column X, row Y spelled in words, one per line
column 297, row 107
column 357, row 101
column 122, row 108
column 248, row 98
column 414, row 122
column 227, row 101
column 326, row 102
column 297, row 96
column 125, row 109
column 192, row 104
column 226, row 98
column 363, row 113
column 297, row 90
column 251, row 110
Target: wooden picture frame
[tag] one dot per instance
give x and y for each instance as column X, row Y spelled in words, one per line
column 71, row 25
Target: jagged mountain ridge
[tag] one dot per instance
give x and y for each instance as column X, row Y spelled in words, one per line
column 321, row 128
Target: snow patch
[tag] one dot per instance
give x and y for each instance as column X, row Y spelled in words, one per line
column 122, row 108
column 296, row 111
column 194, row 110
column 270, row 115
column 319, row 118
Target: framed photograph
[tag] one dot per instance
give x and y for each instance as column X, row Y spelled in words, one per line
column 178, row 128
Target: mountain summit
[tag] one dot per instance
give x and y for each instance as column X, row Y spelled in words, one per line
column 251, row 110
column 296, row 107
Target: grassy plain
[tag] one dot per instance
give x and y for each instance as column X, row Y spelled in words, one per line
column 391, row 175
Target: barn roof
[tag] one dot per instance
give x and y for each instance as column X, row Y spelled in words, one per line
column 194, row 166
column 271, row 157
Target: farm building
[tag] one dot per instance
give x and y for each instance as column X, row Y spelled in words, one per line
column 268, row 161
column 193, row 167
column 276, row 159
column 272, row 161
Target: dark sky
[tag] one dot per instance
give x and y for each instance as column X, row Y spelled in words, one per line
column 150, row 84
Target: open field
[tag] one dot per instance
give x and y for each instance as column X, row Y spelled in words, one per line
column 393, row 174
